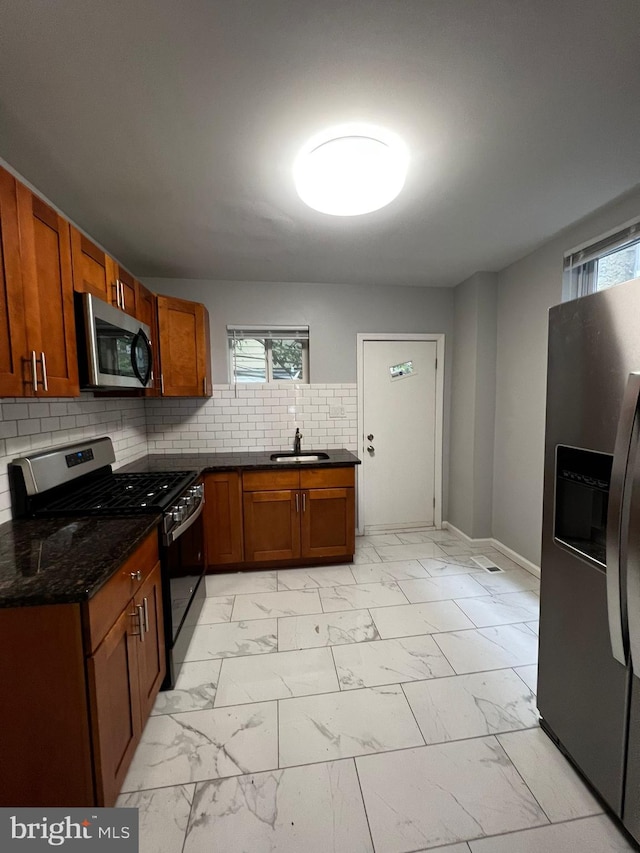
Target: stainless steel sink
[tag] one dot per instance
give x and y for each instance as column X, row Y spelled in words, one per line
column 298, row 457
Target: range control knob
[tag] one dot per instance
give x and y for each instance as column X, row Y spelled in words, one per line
column 177, row 513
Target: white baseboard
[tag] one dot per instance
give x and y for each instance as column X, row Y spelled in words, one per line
column 499, row 546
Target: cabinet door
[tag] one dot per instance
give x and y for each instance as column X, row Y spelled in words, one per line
column 93, row 270
column 328, row 522
column 48, row 294
column 147, row 312
column 127, row 292
column 115, row 704
column 152, row 662
column 223, row 518
column 13, row 339
column 185, row 360
column 271, row 525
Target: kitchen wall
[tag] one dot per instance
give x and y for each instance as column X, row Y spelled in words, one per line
column 526, row 290
column 473, row 405
column 27, row 426
column 334, row 314
column 255, row 417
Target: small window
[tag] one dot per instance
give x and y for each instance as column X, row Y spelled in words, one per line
column 613, row 259
column 277, row 354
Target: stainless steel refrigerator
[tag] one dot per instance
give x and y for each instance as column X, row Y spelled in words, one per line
column 589, row 666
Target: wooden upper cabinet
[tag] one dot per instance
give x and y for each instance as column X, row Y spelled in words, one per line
column 13, row 333
column 126, row 298
column 185, row 356
column 37, row 324
column 48, row 296
column 94, row 271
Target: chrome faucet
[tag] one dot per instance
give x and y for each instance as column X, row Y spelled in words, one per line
column 296, row 441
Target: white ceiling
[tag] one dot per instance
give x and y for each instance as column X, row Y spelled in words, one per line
column 167, row 128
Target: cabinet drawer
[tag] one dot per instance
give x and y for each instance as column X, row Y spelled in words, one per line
column 326, row 478
column 105, row 607
column 261, row 481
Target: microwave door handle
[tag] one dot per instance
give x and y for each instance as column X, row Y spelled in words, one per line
column 617, row 518
column 140, row 336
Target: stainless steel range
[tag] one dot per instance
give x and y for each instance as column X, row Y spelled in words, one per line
column 78, row 480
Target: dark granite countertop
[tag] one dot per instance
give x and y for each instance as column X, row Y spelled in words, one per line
column 236, row 461
column 64, row 560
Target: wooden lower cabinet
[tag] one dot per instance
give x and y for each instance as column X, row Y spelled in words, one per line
column 327, row 522
column 288, row 515
column 223, row 518
column 79, row 682
column 271, row 525
column 125, row 673
column 115, row 703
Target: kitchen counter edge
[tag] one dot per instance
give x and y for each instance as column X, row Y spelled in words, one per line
column 251, row 460
column 64, row 560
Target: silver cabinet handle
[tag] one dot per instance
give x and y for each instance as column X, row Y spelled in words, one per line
column 162, row 383
column 304, row 502
column 145, row 604
column 122, row 297
column 45, row 378
column 116, row 284
column 204, row 386
column 140, row 610
column 34, row 370
column 136, row 576
column 297, row 502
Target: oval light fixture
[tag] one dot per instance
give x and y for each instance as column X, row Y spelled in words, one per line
column 351, row 170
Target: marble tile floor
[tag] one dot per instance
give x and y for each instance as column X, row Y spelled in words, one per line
column 386, row 706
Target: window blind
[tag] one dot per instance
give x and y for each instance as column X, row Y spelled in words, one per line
column 299, row 333
column 617, row 240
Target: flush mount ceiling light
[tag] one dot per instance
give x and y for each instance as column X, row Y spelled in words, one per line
column 351, row 170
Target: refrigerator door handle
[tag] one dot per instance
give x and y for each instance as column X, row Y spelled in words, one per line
column 615, row 515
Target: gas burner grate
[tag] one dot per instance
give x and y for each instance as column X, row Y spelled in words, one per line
column 121, row 494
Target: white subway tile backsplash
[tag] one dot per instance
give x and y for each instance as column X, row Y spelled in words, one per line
column 235, row 418
column 264, row 417
column 28, row 426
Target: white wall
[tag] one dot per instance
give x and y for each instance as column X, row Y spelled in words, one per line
column 472, row 405
column 526, row 290
column 334, row 314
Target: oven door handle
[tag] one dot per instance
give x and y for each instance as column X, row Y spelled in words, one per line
column 174, row 534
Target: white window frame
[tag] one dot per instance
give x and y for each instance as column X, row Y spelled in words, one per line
column 581, row 262
column 269, row 334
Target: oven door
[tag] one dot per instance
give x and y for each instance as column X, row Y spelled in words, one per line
column 184, row 590
column 117, row 346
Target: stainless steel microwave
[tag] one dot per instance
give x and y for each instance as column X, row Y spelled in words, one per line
column 116, row 346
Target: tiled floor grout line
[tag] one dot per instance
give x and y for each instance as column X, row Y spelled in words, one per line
column 423, row 745
column 524, row 781
column 352, row 690
column 191, row 806
column 364, row 802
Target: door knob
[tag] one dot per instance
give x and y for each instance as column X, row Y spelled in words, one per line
column 370, row 437
column 371, row 448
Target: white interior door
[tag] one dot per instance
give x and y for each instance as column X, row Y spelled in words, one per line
column 399, row 443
